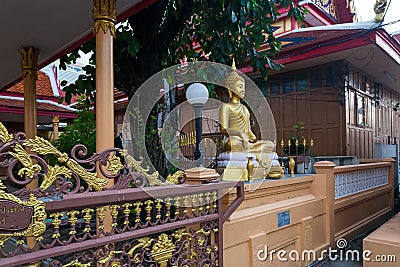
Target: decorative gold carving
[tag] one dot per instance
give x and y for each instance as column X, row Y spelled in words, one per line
column 109, row 257
column 158, row 208
column 163, row 247
column 138, row 210
column 201, row 195
column 214, row 199
column 44, row 147
column 100, row 211
column 87, row 217
column 126, row 211
column 177, row 203
column 104, row 15
column 36, row 227
column 168, row 206
column 148, row 209
column 208, row 200
column 162, row 250
column 29, row 59
column 56, row 223
column 174, row 178
column 152, row 178
column 52, row 174
column 115, row 165
column 76, row 263
column 29, row 168
column 4, row 135
column 114, row 214
column 73, row 220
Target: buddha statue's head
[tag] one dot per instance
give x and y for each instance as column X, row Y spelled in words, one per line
column 235, row 83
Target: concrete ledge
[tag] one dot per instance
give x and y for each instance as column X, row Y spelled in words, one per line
column 384, row 243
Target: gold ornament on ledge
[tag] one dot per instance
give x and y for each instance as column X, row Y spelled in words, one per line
column 250, row 168
column 292, row 164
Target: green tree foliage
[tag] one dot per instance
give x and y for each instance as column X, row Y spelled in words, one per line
column 82, row 131
column 167, row 31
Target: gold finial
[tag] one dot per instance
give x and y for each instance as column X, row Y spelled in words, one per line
column 282, row 143
column 304, row 143
column 104, row 15
column 29, row 62
column 311, row 142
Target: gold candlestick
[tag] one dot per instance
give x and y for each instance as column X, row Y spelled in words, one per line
column 292, row 163
column 250, row 168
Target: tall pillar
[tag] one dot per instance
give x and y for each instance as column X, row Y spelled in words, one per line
column 104, row 16
column 55, row 120
column 29, row 67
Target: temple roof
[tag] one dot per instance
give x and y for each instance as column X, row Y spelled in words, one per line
column 43, row 86
column 365, row 45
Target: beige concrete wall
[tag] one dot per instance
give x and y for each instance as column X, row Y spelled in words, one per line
column 317, row 217
column 384, row 245
column 255, row 225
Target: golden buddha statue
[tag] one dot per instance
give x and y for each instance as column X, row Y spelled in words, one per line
column 234, row 118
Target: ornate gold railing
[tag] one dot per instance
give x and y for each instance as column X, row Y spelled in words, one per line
column 73, row 219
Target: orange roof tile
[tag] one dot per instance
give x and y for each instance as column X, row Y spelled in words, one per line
column 43, row 86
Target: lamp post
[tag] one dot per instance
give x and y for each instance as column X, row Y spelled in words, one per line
column 197, row 96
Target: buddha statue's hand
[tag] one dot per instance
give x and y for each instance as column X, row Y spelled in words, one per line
column 253, row 140
column 252, row 137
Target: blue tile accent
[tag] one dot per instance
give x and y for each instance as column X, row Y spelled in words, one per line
column 283, row 218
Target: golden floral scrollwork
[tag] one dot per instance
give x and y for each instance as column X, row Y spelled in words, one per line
column 29, row 168
column 52, row 174
column 44, row 147
column 77, row 263
column 109, row 257
column 152, row 178
column 115, row 165
column 29, row 62
column 162, row 250
column 36, row 227
column 104, row 15
column 4, row 135
column 174, row 178
column 163, row 247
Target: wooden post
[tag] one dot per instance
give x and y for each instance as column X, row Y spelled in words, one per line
column 104, row 17
column 29, row 68
column 55, row 121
